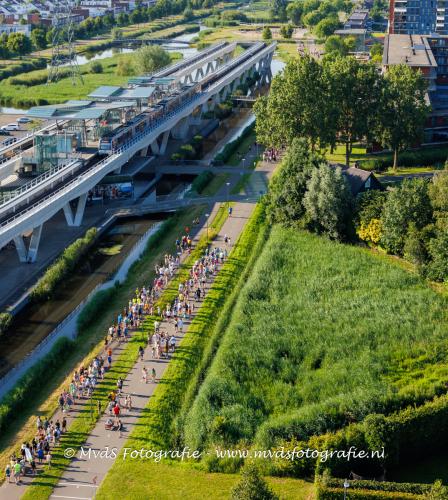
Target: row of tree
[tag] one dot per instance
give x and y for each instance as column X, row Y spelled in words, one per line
column 410, row 220
column 343, row 100
column 18, row 44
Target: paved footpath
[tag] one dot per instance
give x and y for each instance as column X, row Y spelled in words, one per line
column 85, row 473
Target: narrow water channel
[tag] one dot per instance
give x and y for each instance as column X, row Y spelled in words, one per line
column 37, row 321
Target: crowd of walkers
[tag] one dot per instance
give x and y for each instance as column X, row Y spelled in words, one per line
column 271, row 154
column 161, row 345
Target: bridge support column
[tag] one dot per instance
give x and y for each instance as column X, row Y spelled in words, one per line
column 155, row 148
column 181, row 129
column 75, row 220
column 164, row 143
column 28, row 255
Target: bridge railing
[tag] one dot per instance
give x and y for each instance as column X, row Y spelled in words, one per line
column 53, row 172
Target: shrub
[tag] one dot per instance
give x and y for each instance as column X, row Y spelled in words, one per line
column 230, row 148
column 5, row 322
column 202, row 181
column 94, row 308
column 96, row 67
column 47, row 285
column 252, row 486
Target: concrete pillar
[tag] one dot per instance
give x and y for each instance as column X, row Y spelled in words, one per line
column 75, row 220
column 164, row 143
column 34, row 243
column 155, row 148
column 181, row 128
column 21, row 248
column 28, row 255
column 209, row 68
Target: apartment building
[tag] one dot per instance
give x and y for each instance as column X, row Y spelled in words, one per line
column 418, row 17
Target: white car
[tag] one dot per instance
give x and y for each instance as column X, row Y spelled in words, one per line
column 11, row 127
column 23, row 119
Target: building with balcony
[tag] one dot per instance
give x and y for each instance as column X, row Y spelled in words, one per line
column 429, row 55
column 419, row 17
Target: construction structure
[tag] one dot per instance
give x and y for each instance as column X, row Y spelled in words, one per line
column 63, row 44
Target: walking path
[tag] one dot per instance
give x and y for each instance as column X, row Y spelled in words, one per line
column 83, row 476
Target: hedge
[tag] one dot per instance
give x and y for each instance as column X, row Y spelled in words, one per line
column 233, row 146
column 409, row 488
column 23, row 67
column 18, row 397
column 421, row 158
column 323, row 493
column 47, row 285
column 202, row 181
column 5, row 322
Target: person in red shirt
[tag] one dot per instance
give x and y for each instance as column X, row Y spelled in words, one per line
column 116, row 411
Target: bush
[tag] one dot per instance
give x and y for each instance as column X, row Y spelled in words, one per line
column 423, row 157
column 233, row 146
column 96, row 67
column 5, row 322
column 94, row 308
column 47, row 285
column 252, row 486
column 23, row 67
column 202, row 181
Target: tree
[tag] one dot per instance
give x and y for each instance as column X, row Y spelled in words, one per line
column 252, row 486
column 96, row 67
column 125, row 67
column 299, row 105
column 285, row 198
column 18, row 44
column 39, row 38
column 151, row 58
column 409, row 203
column 335, row 45
column 438, row 194
column 266, row 33
column 437, row 268
column 403, row 109
column 328, row 202
column 188, row 13
column 294, row 11
column 356, row 91
column 327, row 27
column 438, row 491
column 278, row 9
column 286, row 31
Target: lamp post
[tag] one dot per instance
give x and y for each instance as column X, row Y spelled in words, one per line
column 227, row 193
column 244, row 162
column 206, row 221
column 346, row 486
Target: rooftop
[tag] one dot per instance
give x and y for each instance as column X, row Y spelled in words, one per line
column 413, row 50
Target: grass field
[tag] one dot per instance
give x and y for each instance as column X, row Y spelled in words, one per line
column 323, row 334
column 172, row 482
column 63, row 90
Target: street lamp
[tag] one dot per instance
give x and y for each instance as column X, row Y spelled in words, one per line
column 227, row 190
column 244, row 162
column 206, row 221
column 346, row 486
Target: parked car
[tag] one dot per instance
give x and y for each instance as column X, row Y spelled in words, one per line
column 11, row 127
column 23, row 119
column 9, row 141
column 4, row 132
